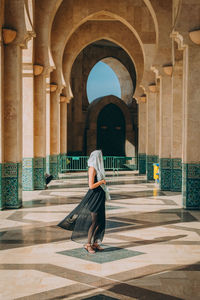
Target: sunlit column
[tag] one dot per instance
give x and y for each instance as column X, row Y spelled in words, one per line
column 142, row 135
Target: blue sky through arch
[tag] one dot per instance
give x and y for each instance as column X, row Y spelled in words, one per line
column 102, row 81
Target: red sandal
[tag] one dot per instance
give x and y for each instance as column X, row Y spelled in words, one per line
column 89, row 248
column 96, row 246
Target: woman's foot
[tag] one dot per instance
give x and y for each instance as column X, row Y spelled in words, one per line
column 89, row 248
column 96, row 246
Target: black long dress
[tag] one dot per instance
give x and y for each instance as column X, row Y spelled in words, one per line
column 80, row 219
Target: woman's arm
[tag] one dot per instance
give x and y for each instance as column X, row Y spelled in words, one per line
column 92, row 174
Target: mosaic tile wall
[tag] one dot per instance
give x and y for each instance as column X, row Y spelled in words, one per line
column 12, row 185
column 191, row 186
column 176, row 181
column 39, row 173
column 52, row 165
column 165, row 171
column 142, row 163
column 150, row 160
column 28, row 174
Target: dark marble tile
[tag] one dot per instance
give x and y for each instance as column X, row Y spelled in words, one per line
column 100, row 297
column 140, row 293
column 32, row 236
column 115, row 224
column 109, row 254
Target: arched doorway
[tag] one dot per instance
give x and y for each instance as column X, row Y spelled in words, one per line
column 111, row 131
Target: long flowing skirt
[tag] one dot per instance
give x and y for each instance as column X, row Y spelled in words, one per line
column 80, row 219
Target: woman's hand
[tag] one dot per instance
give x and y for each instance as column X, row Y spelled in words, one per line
column 103, row 181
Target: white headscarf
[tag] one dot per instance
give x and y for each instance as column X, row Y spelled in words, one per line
column 96, row 161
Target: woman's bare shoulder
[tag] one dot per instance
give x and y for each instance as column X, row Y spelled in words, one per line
column 92, row 170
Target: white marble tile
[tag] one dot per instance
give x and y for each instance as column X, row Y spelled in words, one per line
column 10, row 224
column 44, row 217
column 21, row 283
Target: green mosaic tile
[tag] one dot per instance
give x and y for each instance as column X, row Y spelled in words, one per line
column 142, row 163
column 52, row 164
column 12, row 185
column 176, row 180
column 109, row 254
column 191, row 186
column 28, row 174
column 150, row 160
column 165, row 174
column 39, row 173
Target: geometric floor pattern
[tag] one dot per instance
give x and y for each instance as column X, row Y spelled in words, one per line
column 152, row 245
column 109, row 254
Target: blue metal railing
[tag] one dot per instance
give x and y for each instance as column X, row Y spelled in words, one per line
column 113, row 163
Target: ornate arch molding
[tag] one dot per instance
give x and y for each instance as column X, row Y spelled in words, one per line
column 91, row 125
column 90, row 56
column 91, row 32
column 64, row 25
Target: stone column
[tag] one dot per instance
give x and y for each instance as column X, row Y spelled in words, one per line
column 191, row 140
column 40, row 131
column 165, row 132
column 28, row 120
column 151, row 157
column 2, row 202
column 53, row 157
column 63, row 128
column 63, row 131
column 48, row 126
column 142, row 135
column 157, row 129
column 12, row 170
column 177, row 124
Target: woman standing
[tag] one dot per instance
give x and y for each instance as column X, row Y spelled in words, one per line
column 87, row 220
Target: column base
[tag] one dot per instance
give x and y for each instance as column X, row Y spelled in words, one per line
column 165, row 174
column 11, row 185
column 150, row 160
column 28, row 174
column 52, row 164
column 142, row 163
column 191, row 186
column 39, row 173
column 176, row 183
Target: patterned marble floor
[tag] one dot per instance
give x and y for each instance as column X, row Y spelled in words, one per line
column 152, row 245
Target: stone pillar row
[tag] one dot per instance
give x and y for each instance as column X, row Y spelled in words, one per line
column 43, row 113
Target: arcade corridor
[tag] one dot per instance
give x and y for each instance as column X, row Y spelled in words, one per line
column 149, row 241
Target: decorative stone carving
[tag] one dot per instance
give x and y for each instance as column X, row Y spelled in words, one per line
column 63, row 99
column 143, row 98
column 37, row 69
column 152, row 87
column 53, row 87
column 168, row 69
column 195, row 36
column 8, row 35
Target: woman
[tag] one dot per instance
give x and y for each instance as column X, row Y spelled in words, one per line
column 87, row 220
